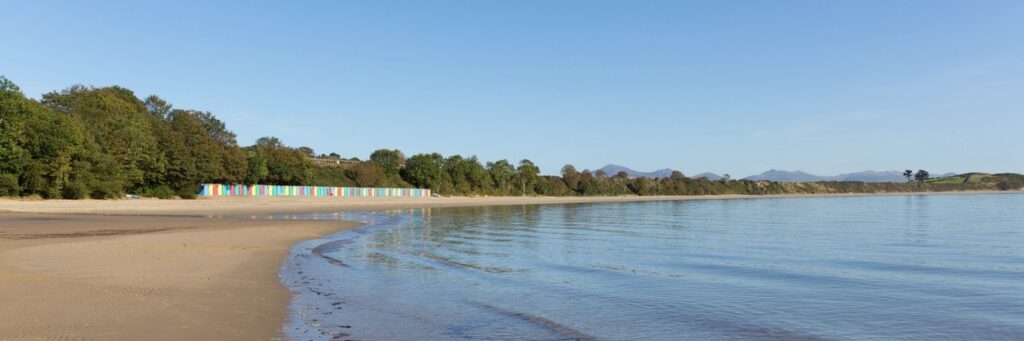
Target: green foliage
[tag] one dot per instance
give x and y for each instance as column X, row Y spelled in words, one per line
column 332, row 176
column 9, row 185
column 274, row 163
column 6, row 85
column 120, row 125
column 527, row 177
column 921, row 175
column 189, row 192
column 366, row 174
column 195, row 152
column 162, row 192
column 427, row 171
column 75, row 190
column 570, row 176
column 38, row 144
column 389, row 160
column 105, row 141
column 502, row 173
column 479, row 179
column 552, row 186
column 110, row 189
column 1001, row 181
column 14, row 110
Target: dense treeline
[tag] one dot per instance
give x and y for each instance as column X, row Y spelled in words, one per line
column 103, row 142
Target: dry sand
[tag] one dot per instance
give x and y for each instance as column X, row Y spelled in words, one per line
column 159, row 269
column 135, row 277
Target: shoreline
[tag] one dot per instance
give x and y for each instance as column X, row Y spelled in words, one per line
column 222, row 206
column 171, row 269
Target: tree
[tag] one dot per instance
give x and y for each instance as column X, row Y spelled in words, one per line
column 256, row 166
column 13, row 113
column 6, row 85
column 921, row 175
column 284, row 165
column 42, row 152
column 601, row 173
column 552, row 186
column 389, row 160
column 677, row 176
column 158, row 107
column 365, row 174
column 478, row 176
column 458, row 169
column 909, row 174
column 571, row 177
column 528, row 173
column 194, row 155
column 120, row 125
column 38, row 147
column 502, row 172
column 426, row 171
column 621, row 175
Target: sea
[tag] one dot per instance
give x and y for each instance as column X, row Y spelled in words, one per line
column 914, row 267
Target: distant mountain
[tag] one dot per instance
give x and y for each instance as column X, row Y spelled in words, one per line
column 786, row 176
column 873, row 176
column 799, row 176
column 613, row 169
column 772, row 175
column 709, row 176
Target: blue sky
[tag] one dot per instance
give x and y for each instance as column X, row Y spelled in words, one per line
column 733, row 87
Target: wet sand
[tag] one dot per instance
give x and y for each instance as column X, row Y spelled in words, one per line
column 164, row 269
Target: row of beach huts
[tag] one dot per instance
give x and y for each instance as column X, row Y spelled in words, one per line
column 219, row 190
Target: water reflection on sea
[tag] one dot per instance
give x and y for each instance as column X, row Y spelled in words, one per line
column 890, row 267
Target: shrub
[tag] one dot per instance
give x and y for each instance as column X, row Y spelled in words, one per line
column 75, row 190
column 9, row 185
column 188, row 192
column 52, row 192
column 162, row 192
column 106, row 189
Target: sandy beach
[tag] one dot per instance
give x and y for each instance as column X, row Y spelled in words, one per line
column 141, row 277
column 171, row 269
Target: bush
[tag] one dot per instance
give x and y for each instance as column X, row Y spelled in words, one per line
column 188, row 192
column 9, row 185
column 52, row 192
column 162, row 192
column 107, row 190
column 75, row 190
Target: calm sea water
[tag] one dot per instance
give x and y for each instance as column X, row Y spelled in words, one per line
column 892, row 267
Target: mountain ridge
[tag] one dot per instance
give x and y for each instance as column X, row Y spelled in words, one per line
column 611, row 169
column 801, row 176
column 776, row 175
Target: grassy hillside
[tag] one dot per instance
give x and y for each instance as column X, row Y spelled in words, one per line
column 1003, row 181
